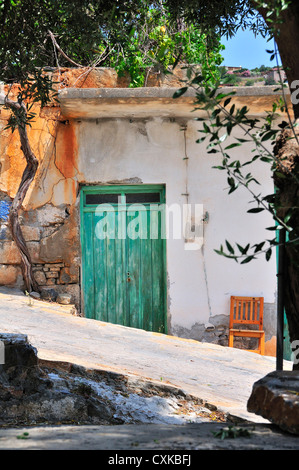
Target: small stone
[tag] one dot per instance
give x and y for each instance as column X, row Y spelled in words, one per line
column 52, row 274
column 56, row 265
column 65, row 278
column 18, row 353
column 37, row 267
column 40, row 278
column 64, row 299
column 75, row 312
column 49, row 294
column 35, row 295
column 69, row 275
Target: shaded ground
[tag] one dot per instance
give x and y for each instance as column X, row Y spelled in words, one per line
column 135, row 438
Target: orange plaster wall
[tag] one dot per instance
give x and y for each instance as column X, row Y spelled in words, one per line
column 54, row 145
column 66, row 150
column 53, row 142
column 270, row 347
column 13, row 163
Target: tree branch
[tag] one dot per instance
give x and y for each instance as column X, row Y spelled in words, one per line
column 61, row 51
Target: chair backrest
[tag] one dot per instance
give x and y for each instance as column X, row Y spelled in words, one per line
column 246, row 310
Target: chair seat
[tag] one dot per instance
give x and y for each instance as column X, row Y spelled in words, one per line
column 247, row 332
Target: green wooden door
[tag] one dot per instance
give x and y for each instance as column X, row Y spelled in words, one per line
column 123, row 255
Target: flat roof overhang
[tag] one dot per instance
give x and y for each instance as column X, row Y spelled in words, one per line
column 101, row 103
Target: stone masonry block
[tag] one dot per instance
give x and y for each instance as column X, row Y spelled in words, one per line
column 40, row 278
column 30, row 233
column 9, row 275
column 34, row 250
column 52, row 274
column 9, row 253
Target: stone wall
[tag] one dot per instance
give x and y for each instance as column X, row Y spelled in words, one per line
column 217, row 332
column 52, row 236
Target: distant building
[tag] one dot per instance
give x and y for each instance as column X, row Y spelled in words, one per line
column 233, row 69
column 276, row 74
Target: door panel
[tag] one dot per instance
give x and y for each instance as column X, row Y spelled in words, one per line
column 88, row 287
column 146, row 276
column 123, row 268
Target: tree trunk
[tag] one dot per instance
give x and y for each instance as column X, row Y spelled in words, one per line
column 27, row 178
column 286, row 35
column 287, row 152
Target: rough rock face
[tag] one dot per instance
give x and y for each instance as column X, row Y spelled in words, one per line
column 33, row 391
column 276, row 397
column 28, row 395
column 19, row 373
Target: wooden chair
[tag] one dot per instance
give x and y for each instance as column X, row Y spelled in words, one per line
column 247, row 311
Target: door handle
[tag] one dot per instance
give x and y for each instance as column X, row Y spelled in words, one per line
column 128, row 277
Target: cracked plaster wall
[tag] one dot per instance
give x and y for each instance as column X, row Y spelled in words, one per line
column 50, row 218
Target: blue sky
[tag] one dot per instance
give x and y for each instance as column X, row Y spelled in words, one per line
column 248, row 51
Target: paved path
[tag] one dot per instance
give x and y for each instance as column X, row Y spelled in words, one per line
column 221, row 376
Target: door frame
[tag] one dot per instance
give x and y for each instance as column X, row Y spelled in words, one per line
column 116, row 189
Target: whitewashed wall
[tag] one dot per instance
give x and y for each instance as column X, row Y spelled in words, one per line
column 154, row 150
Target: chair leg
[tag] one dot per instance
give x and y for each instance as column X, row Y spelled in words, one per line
column 262, row 345
column 230, row 340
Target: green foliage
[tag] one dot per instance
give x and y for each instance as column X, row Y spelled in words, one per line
column 130, row 36
column 156, row 42
column 270, row 81
column 275, row 7
column 24, row 435
column 224, row 17
column 262, row 69
column 133, row 37
column 232, row 432
column 231, row 80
